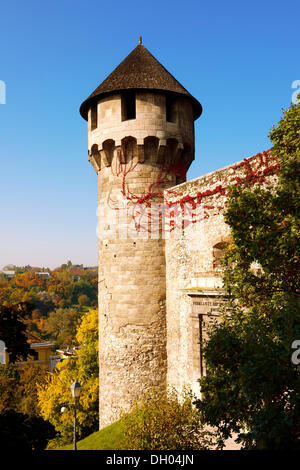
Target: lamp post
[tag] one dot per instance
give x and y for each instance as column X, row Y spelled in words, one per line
column 75, row 389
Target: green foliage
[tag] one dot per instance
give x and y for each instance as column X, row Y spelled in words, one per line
column 84, row 288
column 153, row 423
column 83, row 300
column 55, row 392
column 61, row 325
column 71, row 288
column 9, row 390
column 253, row 387
column 165, row 423
column 18, row 388
column 30, row 376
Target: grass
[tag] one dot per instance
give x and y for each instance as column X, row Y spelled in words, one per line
column 109, row 438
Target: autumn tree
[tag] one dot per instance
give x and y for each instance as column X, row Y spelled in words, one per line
column 60, row 283
column 12, row 326
column 9, row 391
column 18, row 387
column 252, row 387
column 55, row 393
column 28, row 279
column 62, row 324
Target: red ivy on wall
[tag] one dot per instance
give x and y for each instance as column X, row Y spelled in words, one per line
column 252, row 170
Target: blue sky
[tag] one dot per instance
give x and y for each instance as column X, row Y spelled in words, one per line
column 238, row 59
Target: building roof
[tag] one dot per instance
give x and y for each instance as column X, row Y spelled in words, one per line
column 35, row 340
column 140, row 70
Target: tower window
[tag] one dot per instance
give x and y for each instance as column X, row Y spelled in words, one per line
column 170, row 109
column 128, row 107
column 94, row 117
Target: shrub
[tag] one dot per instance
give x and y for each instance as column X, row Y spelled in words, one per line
column 165, row 422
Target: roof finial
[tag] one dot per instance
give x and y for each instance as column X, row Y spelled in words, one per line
column 140, row 39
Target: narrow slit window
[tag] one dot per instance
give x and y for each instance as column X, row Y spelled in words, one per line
column 170, row 109
column 94, row 117
column 128, row 105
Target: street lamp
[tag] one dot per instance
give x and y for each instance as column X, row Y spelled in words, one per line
column 75, row 389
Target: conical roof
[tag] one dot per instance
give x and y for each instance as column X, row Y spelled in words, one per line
column 139, row 71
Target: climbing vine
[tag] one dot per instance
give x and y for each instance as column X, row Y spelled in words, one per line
column 176, row 209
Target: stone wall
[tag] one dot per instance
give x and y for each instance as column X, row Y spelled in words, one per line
column 150, row 120
column 158, row 271
column 134, row 160
column 193, row 277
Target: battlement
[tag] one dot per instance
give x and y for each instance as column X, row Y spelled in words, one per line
column 148, row 135
column 158, row 152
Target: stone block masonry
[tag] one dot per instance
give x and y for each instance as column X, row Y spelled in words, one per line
column 160, row 238
column 192, row 270
column 132, row 272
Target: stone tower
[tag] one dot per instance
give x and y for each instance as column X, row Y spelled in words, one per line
column 140, row 142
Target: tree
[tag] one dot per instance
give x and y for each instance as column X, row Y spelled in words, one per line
column 28, row 280
column 12, row 326
column 55, row 393
column 21, row 427
column 9, row 390
column 18, row 387
column 30, row 376
column 44, row 302
column 252, row 387
column 60, row 283
column 62, row 324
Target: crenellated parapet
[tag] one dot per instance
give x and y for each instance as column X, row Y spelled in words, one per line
column 151, row 149
column 149, row 137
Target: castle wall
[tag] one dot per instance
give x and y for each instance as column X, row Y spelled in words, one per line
column 159, row 246
column 193, row 276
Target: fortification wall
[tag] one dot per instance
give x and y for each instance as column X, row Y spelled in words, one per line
column 192, row 251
